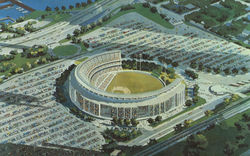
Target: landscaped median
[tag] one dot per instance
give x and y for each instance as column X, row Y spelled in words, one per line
column 200, row 102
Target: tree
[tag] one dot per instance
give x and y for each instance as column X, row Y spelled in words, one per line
column 13, row 52
column 69, row 36
column 226, row 101
column 83, row 4
column 170, row 71
column 83, row 29
column 235, row 71
column 120, row 121
column 78, row 5
column 134, row 122
column 187, row 123
column 226, row 71
column 200, row 67
column 193, row 65
column 229, row 149
column 56, row 8
column 195, row 99
column 127, row 122
column 150, row 120
column 71, row 7
column 196, row 89
column 158, row 118
column 74, row 39
column 235, row 97
column 76, row 32
column 43, row 16
column 89, row 2
column 189, row 103
column 146, row 5
column 63, row 7
column 175, row 64
column 153, row 10
column 178, row 128
column 244, row 69
column 208, row 112
column 48, row 8
column 1, row 80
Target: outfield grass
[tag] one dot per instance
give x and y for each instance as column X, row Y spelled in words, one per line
column 65, row 50
column 135, row 82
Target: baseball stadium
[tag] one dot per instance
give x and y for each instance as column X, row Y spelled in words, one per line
column 100, row 87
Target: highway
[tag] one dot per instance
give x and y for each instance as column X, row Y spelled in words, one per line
column 59, row 31
column 225, row 114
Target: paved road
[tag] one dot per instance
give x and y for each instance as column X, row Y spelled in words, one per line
column 225, row 114
column 58, row 31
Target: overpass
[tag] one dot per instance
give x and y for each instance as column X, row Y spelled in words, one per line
column 2, row 1
column 22, row 5
column 7, row 18
column 6, row 6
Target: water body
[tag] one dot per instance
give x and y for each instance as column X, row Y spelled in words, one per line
column 15, row 11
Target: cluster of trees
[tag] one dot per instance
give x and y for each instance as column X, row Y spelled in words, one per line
column 127, row 7
column 195, row 98
column 209, row 113
column 233, row 98
column 121, row 135
column 168, row 61
column 20, row 19
column 125, row 122
column 146, row 66
column 179, row 127
column 195, row 144
column 152, row 9
column 171, row 75
column 6, row 57
column 242, row 127
column 29, row 27
column 227, row 71
column 85, row 29
column 152, row 121
column 176, row 8
column 35, row 51
column 19, row 31
column 77, row 5
column 191, row 74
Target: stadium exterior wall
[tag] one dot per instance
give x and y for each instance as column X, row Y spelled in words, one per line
column 106, row 105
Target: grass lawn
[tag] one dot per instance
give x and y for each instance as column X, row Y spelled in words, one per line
column 148, row 14
column 19, row 61
column 216, row 137
column 248, row 27
column 65, row 50
column 134, row 82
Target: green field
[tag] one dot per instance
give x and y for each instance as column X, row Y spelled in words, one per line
column 134, row 83
column 65, row 50
column 217, row 137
